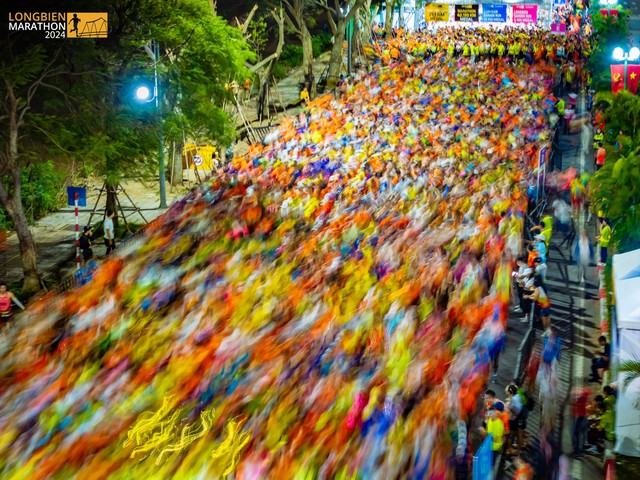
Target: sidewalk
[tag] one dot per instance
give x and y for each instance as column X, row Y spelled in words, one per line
column 55, row 233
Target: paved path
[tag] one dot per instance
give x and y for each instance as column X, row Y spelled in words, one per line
column 55, row 233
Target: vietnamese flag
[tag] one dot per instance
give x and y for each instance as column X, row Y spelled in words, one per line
column 633, row 77
column 617, row 78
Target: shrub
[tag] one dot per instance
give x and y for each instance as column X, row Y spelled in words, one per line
column 42, row 193
column 291, row 56
column 321, row 43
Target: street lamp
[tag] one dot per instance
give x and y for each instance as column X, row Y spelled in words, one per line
column 144, row 94
column 631, row 56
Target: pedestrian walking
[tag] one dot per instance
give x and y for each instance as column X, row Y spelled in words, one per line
column 583, row 254
column 579, row 401
column 109, row 233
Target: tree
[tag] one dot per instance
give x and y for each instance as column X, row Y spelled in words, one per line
column 610, row 32
column 338, row 15
column 25, row 73
column 296, row 18
column 78, row 98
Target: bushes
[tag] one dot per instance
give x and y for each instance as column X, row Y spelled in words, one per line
column 321, row 43
column 42, row 193
column 291, row 56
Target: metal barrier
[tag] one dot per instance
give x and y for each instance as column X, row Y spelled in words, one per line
column 525, row 348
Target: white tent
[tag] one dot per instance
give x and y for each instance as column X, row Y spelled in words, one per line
column 626, row 284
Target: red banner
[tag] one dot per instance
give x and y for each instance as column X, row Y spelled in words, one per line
column 633, row 78
column 617, row 78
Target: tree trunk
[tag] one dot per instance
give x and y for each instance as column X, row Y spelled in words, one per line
column 27, row 244
column 335, row 60
column 355, row 39
column 112, row 202
column 177, row 171
column 388, row 18
column 307, row 59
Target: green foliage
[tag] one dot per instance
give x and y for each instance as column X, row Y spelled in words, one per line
column 257, row 33
column 321, row 43
column 291, row 56
column 610, row 32
column 615, row 190
column 279, row 71
column 42, row 192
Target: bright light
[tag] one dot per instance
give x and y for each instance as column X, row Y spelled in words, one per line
column 634, row 54
column 143, row 93
column 618, row 53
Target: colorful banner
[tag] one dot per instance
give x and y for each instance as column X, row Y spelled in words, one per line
column 466, row 13
column 633, row 77
column 559, row 2
column 436, row 12
column 494, row 13
column 559, row 28
column 525, row 14
column 617, row 78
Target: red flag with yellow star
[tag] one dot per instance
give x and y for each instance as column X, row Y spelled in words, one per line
column 633, row 78
column 617, row 78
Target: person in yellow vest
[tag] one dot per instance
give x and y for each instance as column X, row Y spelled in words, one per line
column 495, row 428
column 474, row 52
column 304, row 95
column 501, row 49
column 604, row 238
column 466, row 50
column 451, row 49
column 598, row 138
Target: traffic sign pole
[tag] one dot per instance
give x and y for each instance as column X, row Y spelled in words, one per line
column 75, row 202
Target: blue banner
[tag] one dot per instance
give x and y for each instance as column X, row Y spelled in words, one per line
column 483, row 460
column 494, row 13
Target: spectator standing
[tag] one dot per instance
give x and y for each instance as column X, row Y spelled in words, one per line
column 604, row 238
column 6, row 297
column 109, row 233
column 601, row 153
column 85, row 244
column 495, row 427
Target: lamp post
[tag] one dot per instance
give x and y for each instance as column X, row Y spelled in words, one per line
column 144, row 94
column 620, row 55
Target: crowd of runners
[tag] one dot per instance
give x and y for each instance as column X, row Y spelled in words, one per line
column 331, row 304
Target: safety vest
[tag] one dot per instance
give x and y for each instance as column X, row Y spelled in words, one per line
column 451, row 50
column 465, row 50
column 550, row 51
column 561, row 107
column 475, row 50
column 597, row 138
column 501, row 49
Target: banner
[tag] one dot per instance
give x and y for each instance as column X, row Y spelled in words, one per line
column 483, row 459
column 436, row 12
column 559, row 2
column 494, row 13
column 466, row 13
column 633, row 76
column 525, row 14
column 559, row 28
column 617, row 78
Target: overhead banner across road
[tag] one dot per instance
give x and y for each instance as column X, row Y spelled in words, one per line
column 494, row 13
column 436, row 12
column 467, row 13
column 525, row 14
